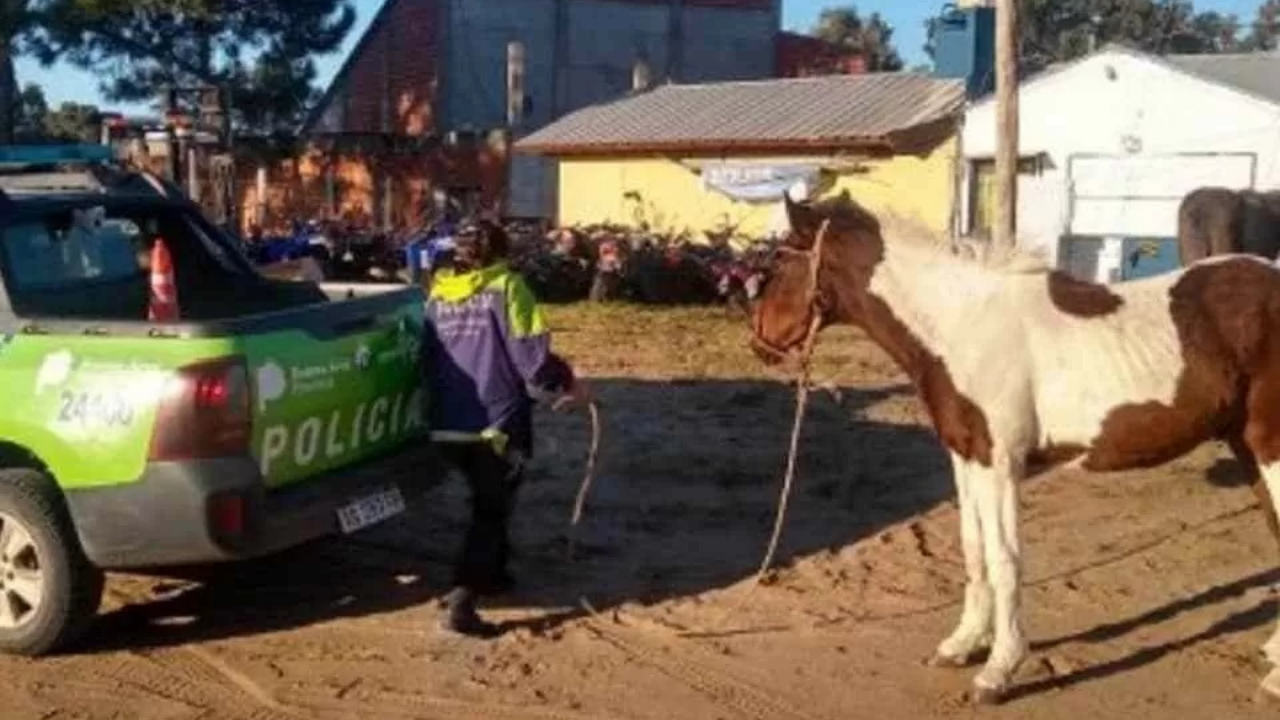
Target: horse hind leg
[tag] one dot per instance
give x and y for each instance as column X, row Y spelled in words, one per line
column 1270, row 685
column 1263, row 437
column 1266, row 498
column 1249, row 464
column 1265, row 483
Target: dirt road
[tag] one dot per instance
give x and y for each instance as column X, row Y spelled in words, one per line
column 1148, row 593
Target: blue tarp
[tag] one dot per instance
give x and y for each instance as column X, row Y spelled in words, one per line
column 423, row 253
column 757, row 183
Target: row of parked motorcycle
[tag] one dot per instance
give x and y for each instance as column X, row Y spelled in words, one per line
column 610, row 263
column 341, row 252
column 601, row 263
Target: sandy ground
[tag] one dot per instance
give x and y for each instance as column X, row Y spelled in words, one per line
column 1148, row 594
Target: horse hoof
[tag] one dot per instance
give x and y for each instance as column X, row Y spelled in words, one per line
column 1269, row 689
column 986, row 697
column 938, row 660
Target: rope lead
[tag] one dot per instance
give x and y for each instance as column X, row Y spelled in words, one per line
column 588, row 477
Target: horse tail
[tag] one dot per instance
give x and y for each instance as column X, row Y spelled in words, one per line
column 1210, row 222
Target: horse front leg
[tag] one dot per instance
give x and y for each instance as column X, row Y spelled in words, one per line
column 973, row 634
column 1271, row 649
column 1262, row 438
column 995, row 494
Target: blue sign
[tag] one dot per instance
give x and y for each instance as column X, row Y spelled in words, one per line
column 1145, row 257
column 741, row 181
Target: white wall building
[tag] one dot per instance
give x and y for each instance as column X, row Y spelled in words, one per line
column 1109, row 145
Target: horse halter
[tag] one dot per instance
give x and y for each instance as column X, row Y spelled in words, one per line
column 816, row 310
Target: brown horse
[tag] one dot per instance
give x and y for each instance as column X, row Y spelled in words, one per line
column 1219, row 221
column 1023, row 368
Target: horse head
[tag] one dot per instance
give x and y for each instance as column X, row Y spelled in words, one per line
column 819, row 276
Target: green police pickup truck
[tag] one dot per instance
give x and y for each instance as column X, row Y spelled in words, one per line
column 269, row 415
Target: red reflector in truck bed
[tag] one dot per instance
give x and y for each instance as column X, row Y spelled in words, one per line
column 226, row 515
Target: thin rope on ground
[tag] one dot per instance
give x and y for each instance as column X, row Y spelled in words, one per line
column 802, row 399
column 588, row 477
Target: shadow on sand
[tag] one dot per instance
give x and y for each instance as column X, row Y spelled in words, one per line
column 1261, row 613
column 689, row 478
column 683, row 504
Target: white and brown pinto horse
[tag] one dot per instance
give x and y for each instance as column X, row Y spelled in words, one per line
column 1022, row 367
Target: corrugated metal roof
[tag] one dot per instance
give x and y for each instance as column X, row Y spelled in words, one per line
column 1255, row 73
column 813, row 111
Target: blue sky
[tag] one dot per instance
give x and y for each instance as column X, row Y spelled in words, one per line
column 906, row 16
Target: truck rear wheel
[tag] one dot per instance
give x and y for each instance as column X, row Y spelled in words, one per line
column 49, row 591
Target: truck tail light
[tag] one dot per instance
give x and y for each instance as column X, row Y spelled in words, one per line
column 205, row 411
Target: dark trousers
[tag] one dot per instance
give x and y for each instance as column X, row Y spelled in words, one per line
column 493, row 480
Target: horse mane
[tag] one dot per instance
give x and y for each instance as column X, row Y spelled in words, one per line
column 897, row 229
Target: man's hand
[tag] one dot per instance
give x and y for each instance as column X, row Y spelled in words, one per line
column 579, row 394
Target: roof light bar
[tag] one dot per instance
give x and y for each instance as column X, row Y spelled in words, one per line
column 53, row 154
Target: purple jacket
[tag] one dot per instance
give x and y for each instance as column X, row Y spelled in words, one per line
column 487, row 350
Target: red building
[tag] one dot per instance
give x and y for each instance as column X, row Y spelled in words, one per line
column 422, row 101
column 803, row 55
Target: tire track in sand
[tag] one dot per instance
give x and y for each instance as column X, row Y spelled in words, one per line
column 400, row 705
column 730, row 687
column 184, row 675
column 199, row 679
column 192, row 676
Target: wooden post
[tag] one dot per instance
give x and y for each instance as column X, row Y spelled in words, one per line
column 388, row 195
column 331, row 184
column 1006, row 122
column 193, row 173
column 262, row 195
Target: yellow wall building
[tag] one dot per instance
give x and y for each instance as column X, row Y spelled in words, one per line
column 669, row 193
column 889, row 139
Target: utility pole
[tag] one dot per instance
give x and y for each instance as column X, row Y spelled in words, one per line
column 1006, row 122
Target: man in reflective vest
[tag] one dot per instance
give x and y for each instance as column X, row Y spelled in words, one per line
column 488, row 353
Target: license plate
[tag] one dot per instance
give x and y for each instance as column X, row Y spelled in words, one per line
column 370, row 510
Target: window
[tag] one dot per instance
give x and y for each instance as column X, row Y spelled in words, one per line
column 982, row 191
column 41, row 255
column 82, row 247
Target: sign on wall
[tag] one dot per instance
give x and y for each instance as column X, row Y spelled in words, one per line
column 757, row 182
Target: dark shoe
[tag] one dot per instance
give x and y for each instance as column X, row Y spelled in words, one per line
column 469, row 624
column 461, row 617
